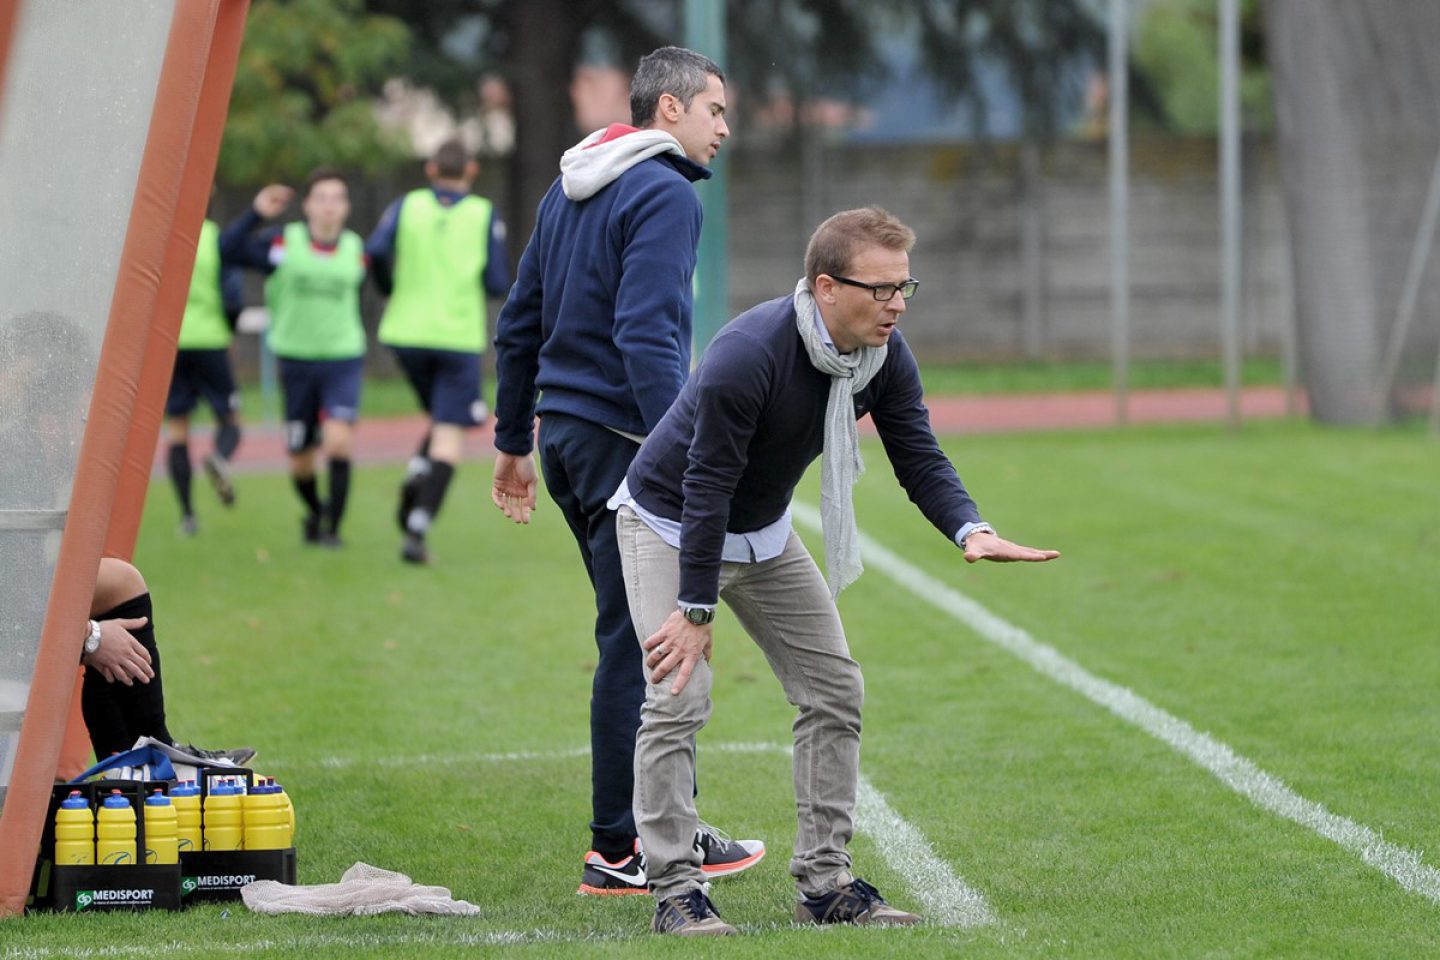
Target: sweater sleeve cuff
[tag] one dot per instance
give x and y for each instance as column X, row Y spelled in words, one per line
column 969, row 528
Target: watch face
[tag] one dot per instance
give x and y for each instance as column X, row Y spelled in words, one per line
column 699, row 616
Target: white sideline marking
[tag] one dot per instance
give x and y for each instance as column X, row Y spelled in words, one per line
column 1265, row 790
column 948, row 900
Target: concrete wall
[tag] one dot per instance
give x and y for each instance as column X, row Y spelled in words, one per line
column 1015, row 264
column 1013, row 251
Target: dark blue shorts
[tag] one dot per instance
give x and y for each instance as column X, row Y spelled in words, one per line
column 447, row 383
column 202, row 373
column 316, row 391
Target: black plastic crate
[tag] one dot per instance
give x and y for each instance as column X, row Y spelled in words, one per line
column 219, row 874
column 162, row 880
column 139, row 887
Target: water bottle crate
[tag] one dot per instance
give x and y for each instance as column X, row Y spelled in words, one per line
column 154, row 886
column 79, row 879
column 219, row 874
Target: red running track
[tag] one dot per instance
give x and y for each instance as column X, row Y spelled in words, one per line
column 393, row 439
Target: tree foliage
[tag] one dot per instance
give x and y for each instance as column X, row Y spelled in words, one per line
column 304, row 91
column 794, row 48
column 1177, row 47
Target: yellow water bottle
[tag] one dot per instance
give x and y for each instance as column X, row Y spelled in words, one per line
column 185, row 798
column 289, row 811
column 115, row 832
column 162, row 843
column 224, row 826
column 74, row 832
column 267, row 827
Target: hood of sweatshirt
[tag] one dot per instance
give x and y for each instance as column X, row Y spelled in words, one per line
column 594, row 162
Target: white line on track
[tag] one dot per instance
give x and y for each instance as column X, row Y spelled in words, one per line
column 1265, row 790
column 948, row 900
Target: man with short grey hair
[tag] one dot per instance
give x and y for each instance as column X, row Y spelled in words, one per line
column 599, row 323
column 704, row 514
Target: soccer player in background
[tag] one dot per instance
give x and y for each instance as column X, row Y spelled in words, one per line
column 436, row 253
column 202, row 370
column 313, row 270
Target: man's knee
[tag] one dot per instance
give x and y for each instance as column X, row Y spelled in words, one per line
column 841, row 696
column 117, row 582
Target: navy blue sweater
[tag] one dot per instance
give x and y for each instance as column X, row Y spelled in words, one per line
column 599, row 318
column 750, row 422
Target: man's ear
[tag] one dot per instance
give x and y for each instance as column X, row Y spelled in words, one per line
column 825, row 288
column 669, row 107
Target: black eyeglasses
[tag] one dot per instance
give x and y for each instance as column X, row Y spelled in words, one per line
column 884, row 292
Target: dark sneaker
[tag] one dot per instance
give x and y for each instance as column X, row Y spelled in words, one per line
column 310, row 529
column 236, row 755
column 331, row 540
column 722, row 857
column 690, row 915
column 189, row 526
column 856, row 902
column 414, row 550
column 217, row 468
column 623, row 877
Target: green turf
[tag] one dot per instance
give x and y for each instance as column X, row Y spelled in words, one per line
column 1276, row 588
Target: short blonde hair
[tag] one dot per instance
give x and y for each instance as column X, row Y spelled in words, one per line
column 835, row 242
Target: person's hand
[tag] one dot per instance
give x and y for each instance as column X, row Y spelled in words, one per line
column 273, row 200
column 678, row 645
column 513, row 489
column 983, row 545
column 121, row 657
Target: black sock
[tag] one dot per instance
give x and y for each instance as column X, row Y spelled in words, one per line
column 180, row 474
column 305, row 486
column 611, row 849
column 227, row 439
column 339, row 491
column 424, row 450
column 432, row 495
column 115, row 714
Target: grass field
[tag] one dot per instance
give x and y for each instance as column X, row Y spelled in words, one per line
column 1277, row 589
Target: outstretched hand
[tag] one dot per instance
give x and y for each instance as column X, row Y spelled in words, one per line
column 513, row 488
column 987, row 546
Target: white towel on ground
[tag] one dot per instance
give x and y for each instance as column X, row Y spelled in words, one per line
column 362, row 891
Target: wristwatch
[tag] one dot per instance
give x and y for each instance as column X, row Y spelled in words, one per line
column 92, row 640
column 699, row 616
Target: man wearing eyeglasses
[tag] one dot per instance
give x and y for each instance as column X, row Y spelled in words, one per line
column 704, row 513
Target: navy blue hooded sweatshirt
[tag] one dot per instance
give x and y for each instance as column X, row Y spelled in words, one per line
column 599, row 319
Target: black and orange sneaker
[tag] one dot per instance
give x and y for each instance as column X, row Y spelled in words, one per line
column 618, row 878
column 722, row 857
column 856, row 902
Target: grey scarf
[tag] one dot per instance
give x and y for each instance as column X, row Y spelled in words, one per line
column 841, row 464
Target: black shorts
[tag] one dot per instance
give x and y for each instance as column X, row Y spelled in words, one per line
column 316, row 391
column 447, row 383
column 202, row 373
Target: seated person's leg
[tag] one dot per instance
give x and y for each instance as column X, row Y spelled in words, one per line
column 118, row 712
